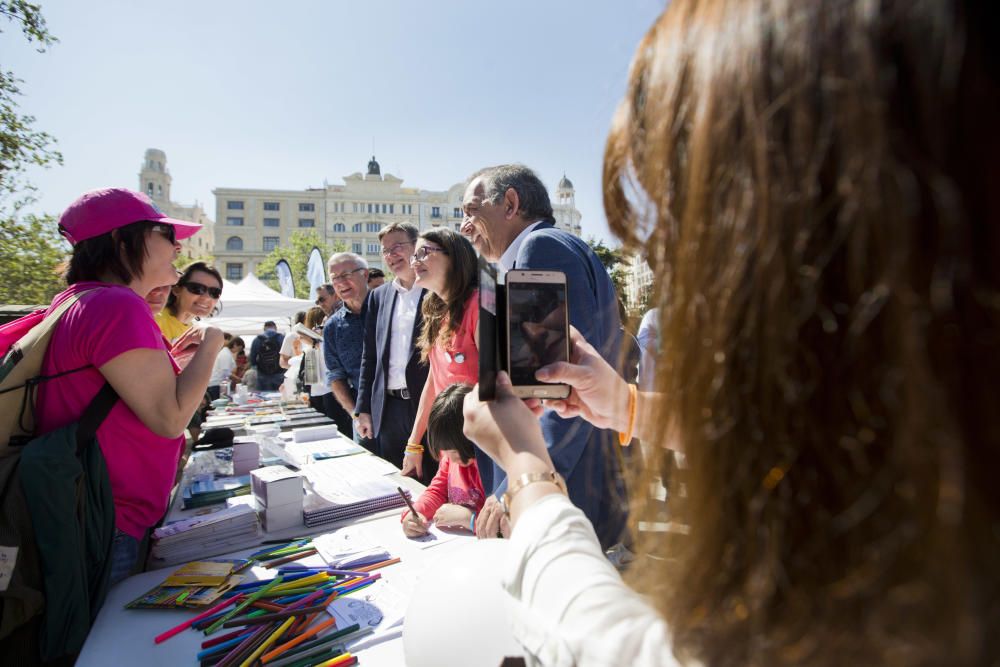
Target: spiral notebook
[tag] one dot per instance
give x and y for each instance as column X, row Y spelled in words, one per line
column 347, row 488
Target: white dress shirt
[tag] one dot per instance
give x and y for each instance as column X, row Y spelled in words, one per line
column 401, row 332
column 510, row 254
column 568, row 605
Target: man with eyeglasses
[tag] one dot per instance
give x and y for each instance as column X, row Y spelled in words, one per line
column 392, row 375
column 326, row 298
column 509, row 220
column 344, row 332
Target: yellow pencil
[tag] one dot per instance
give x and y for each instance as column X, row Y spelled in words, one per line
column 339, row 660
column 267, row 642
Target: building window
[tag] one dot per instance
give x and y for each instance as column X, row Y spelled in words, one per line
column 272, row 206
column 391, row 207
column 374, row 249
column 159, row 190
column 235, row 206
column 149, row 189
column 234, row 222
column 307, row 222
column 356, row 248
column 385, row 208
column 356, row 228
column 372, row 227
column 355, row 205
column 306, row 207
column 271, row 242
column 234, row 271
column 370, row 208
column 456, row 212
column 272, row 222
column 234, row 243
column 435, row 211
column 340, row 227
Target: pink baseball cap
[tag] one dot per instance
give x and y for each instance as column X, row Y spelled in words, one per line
column 100, row 211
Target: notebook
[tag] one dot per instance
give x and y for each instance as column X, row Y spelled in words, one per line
column 348, row 487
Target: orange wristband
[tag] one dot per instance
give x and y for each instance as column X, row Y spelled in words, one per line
column 625, row 439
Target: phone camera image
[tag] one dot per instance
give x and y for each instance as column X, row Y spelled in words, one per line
column 536, row 328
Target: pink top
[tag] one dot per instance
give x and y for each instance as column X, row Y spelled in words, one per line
column 456, row 484
column 458, row 361
column 95, row 330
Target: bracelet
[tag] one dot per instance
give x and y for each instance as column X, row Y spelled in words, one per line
column 414, row 448
column 526, row 479
column 472, row 524
column 625, row 439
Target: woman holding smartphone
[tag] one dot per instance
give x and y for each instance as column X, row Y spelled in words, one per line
column 445, row 264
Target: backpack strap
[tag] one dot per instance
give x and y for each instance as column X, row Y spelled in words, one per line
column 95, row 414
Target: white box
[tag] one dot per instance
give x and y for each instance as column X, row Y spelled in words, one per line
column 276, row 485
column 280, row 517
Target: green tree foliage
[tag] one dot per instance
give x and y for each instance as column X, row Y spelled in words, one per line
column 21, row 145
column 614, row 262
column 296, row 252
column 31, row 251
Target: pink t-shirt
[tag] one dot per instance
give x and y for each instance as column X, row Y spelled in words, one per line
column 458, row 361
column 453, row 483
column 96, row 329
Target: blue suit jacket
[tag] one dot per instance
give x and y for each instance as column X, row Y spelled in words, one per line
column 375, row 355
column 585, row 456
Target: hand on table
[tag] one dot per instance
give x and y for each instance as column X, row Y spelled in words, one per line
column 413, row 464
column 451, row 515
column 491, row 521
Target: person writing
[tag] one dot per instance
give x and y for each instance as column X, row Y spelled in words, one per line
column 456, row 493
column 826, row 236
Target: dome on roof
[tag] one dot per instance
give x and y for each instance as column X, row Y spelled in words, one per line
column 565, row 183
column 373, row 168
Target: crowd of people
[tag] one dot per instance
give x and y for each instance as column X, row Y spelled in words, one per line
column 811, row 185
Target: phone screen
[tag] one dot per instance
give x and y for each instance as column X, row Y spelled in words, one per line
column 537, row 328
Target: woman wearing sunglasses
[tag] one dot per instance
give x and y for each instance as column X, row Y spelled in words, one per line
column 194, row 296
column 123, row 248
column 445, row 264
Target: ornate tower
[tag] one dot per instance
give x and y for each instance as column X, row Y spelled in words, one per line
column 154, row 179
column 565, row 194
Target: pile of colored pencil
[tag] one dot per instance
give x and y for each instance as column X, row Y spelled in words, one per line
column 286, row 608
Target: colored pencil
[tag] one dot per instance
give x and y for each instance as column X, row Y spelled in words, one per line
column 273, row 637
column 164, row 636
column 376, row 566
column 341, row 636
column 241, row 606
column 268, row 618
column 289, row 559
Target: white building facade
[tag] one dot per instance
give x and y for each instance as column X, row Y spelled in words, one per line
column 253, row 222
column 154, row 180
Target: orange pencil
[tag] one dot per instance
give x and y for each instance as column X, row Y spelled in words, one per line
column 375, row 566
column 274, row 653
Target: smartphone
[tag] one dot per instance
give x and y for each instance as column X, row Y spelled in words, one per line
column 537, row 330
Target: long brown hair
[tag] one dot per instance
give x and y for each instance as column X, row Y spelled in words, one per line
column 815, row 185
column 441, row 318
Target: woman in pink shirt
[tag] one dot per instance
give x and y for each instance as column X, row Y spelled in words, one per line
column 456, row 494
column 445, row 263
column 123, row 248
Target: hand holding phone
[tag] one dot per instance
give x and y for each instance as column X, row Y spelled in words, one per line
column 537, row 330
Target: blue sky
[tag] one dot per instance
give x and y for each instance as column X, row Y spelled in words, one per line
column 287, row 94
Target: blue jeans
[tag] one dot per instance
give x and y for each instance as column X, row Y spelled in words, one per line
column 269, row 382
column 124, row 554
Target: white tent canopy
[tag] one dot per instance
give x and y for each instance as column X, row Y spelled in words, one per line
column 248, row 304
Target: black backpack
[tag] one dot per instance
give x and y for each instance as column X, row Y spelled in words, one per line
column 268, row 356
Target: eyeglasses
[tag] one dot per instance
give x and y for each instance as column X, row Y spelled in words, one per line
column 167, row 230
column 198, row 289
column 421, row 254
column 394, row 248
column 334, row 277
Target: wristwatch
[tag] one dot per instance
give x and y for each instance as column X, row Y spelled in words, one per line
column 524, row 480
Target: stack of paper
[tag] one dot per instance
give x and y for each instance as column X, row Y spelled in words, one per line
column 301, row 454
column 348, row 487
column 189, row 539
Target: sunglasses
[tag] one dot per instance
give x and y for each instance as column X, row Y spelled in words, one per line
column 198, row 289
column 167, row 231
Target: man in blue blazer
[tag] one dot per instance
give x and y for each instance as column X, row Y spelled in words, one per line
column 509, row 219
column 392, row 375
